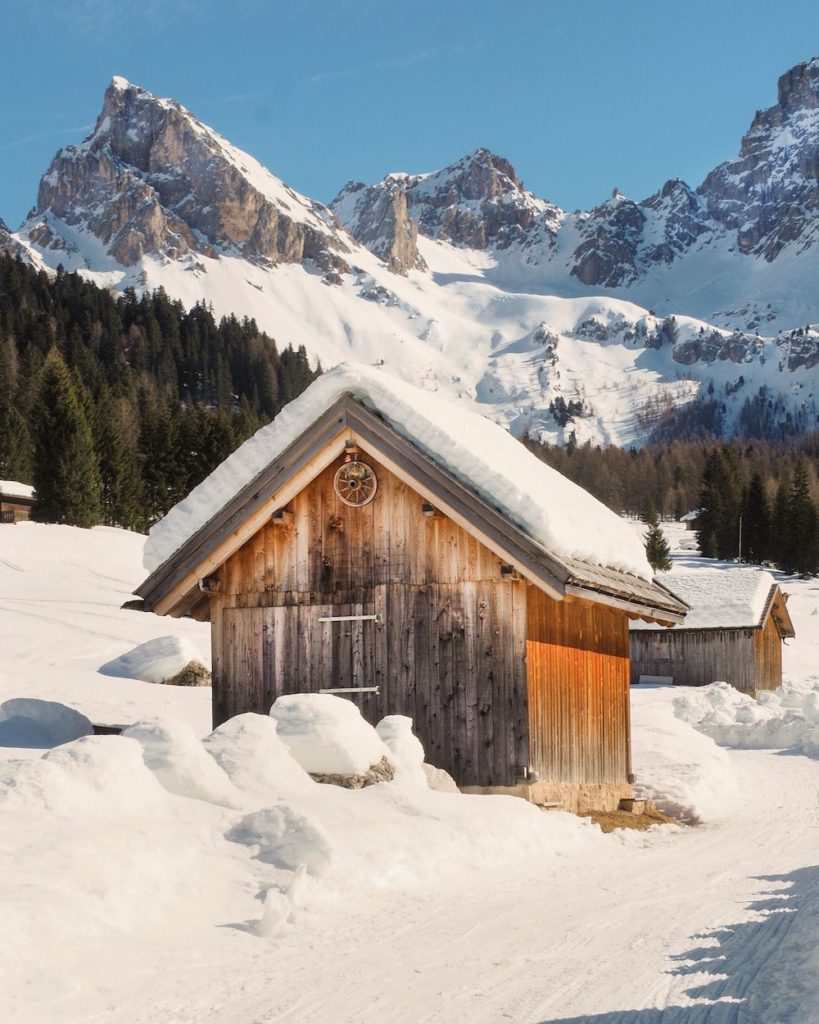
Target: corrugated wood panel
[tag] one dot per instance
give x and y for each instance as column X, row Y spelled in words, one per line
column 696, row 657
column 578, row 672
column 768, row 656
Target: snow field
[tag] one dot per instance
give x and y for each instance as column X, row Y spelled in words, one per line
column 132, row 893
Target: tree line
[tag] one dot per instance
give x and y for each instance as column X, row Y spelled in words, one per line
column 115, row 407
column 771, row 486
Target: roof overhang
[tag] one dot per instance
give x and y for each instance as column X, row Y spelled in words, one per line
column 173, row 588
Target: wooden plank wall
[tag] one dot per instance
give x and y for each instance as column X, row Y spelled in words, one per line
column 450, row 650
column 768, row 656
column 696, row 657
column 578, row 664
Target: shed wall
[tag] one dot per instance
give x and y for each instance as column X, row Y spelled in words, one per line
column 449, row 649
column 695, row 657
column 578, row 667
column 768, row 656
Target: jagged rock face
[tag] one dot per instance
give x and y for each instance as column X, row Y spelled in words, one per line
column 768, row 194
column 152, row 179
column 608, row 256
column 378, row 217
column 478, row 203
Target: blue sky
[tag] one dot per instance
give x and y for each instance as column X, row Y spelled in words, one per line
column 580, row 95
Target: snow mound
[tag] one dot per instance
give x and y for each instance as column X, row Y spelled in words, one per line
column 406, row 750
column 179, row 761
column 552, row 510
column 326, row 734
column 785, row 719
column 684, row 772
column 155, row 660
column 89, row 776
column 287, row 838
column 251, row 753
column 27, row 722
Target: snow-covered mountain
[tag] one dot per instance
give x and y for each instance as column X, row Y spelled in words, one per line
column 596, row 322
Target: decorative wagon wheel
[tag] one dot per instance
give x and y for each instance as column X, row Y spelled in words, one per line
column 355, row 483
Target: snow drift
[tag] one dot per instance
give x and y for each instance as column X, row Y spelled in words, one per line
column 785, row 719
column 28, row 722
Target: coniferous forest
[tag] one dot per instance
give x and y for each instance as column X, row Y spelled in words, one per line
column 758, row 498
column 115, row 406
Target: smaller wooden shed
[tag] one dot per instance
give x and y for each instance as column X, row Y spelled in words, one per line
column 733, row 632
column 16, row 501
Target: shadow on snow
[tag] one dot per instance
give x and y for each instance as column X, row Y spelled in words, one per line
column 764, row 971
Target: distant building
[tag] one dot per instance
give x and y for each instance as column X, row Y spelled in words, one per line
column 733, row 632
column 391, row 549
column 16, row 501
column 690, row 519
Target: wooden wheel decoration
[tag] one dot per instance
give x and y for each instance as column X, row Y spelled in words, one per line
column 355, row 483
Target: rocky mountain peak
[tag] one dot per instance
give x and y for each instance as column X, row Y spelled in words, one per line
column 798, row 89
column 478, row 202
column 768, row 194
column 152, row 180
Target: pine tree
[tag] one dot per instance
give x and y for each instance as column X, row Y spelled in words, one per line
column 779, row 522
column 658, row 552
column 66, row 469
column 800, row 551
column 756, row 521
column 16, row 451
column 720, row 504
column 123, row 502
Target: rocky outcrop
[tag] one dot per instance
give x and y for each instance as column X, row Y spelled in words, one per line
column 383, row 771
column 151, row 179
column 378, row 217
column 767, row 196
column 478, row 202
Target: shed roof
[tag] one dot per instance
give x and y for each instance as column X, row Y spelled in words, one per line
column 14, row 489
column 725, row 598
column 556, row 533
column 547, row 506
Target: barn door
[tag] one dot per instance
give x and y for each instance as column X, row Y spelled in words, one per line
column 300, row 649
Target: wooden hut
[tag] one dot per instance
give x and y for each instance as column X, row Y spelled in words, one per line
column 354, row 546
column 16, row 501
column 733, row 632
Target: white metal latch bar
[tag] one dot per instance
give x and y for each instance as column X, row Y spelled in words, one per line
column 352, row 689
column 350, row 618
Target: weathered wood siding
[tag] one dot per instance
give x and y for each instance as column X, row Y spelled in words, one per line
column 578, row 668
column 768, row 656
column 696, row 657
column 449, row 649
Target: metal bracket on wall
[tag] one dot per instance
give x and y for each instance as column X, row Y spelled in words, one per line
column 352, row 689
column 351, row 618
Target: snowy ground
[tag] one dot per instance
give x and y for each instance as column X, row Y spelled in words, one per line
column 124, row 901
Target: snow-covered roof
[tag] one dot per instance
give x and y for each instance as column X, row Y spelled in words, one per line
column 14, row 489
column 689, row 517
column 719, row 598
column 557, row 514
